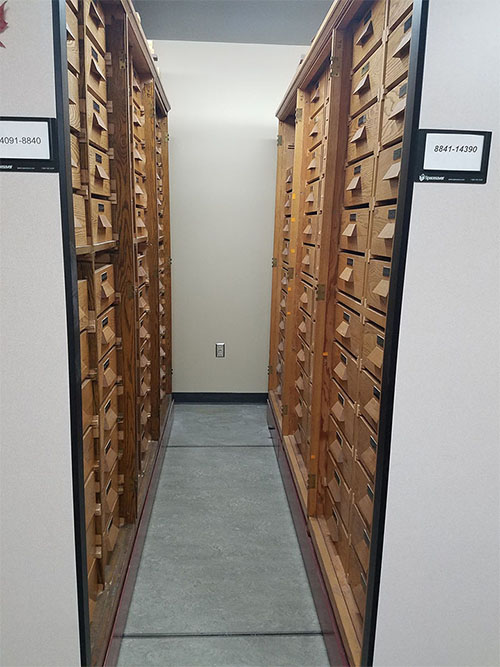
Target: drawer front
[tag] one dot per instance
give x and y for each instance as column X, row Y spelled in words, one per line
column 94, row 588
column 97, row 122
column 99, row 178
column 104, row 285
column 338, row 533
column 312, row 195
column 311, row 231
column 283, row 301
column 141, row 230
column 140, row 192
column 303, row 385
column 100, row 216
column 287, row 203
column 393, row 114
column 144, row 330
column 305, row 358
column 305, row 328
column 348, row 329
column 359, row 182
column 80, row 220
column 314, row 164
column 377, row 284
column 145, row 411
column 84, row 355
column 74, row 101
column 382, row 233
column 87, row 404
column 366, row 447
column 95, row 71
column 308, row 261
column 282, row 323
column 341, row 451
column 351, row 274
column 93, row 551
column 107, row 373
column 307, row 298
column 108, row 415
column 286, row 227
column 89, row 492
column 369, row 399
column 354, row 230
column 368, row 34
column 109, row 491
column 138, row 122
column 289, row 180
column 357, row 581
column 316, row 130
column 344, row 370
column 285, row 252
column 83, row 304
column 398, row 53
column 143, row 300
column 360, row 538
column 75, row 163
column 95, row 23
column 363, row 134
column 366, row 82
column 397, row 9
column 72, row 40
column 338, row 488
column 373, row 350
column 317, row 95
column 343, row 411
column 112, row 528
column 145, row 383
column 389, row 167
column 139, row 159
column 363, row 494
column 106, row 332
column 89, row 460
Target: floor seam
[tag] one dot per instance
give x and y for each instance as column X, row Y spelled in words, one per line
column 191, row 635
column 220, row 446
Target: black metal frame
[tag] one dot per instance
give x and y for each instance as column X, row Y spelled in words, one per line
column 50, row 164
column 72, row 319
column 405, row 195
column 219, row 397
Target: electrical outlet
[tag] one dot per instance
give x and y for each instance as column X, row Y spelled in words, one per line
column 220, row 350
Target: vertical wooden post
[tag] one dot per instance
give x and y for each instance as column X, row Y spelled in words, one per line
column 168, row 250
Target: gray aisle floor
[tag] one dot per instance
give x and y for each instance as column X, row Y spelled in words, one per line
column 221, row 580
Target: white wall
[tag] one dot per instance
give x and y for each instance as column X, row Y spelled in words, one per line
column 439, row 595
column 222, row 166
column 38, row 610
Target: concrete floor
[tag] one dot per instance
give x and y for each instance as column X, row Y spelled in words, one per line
column 221, row 580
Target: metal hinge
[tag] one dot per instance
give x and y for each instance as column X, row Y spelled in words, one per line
column 269, row 369
column 274, row 262
column 284, row 410
column 320, row 293
column 311, row 482
column 334, row 66
column 280, row 140
column 298, row 114
column 170, row 260
column 122, row 60
column 290, row 273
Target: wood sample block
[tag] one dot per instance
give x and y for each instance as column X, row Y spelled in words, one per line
column 87, row 404
column 389, row 168
column 312, row 197
column 307, row 298
column 84, row 355
column 108, row 415
column 357, row 579
column 397, row 9
column 314, row 164
column 90, row 498
column 75, row 162
column 89, row 459
column 351, row 274
column 305, row 328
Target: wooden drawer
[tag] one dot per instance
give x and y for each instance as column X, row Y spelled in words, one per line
column 282, row 323
column 373, row 350
column 94, row 588
column 314, row 164
column 359, row 182
column 112, row 528
column 303, row 385
column 99, row 179
column 338, row 488
column 289, row 180
column 75, row 162
column 317, row 94
column 100, row 217
column 305, row 328
column 83, row 304
column 144, row 330
column 140, row 223
column 145, row 411
column 397, row 9
column 283, row 301
column 344, row 370
column 109, row 491
column 285, row 253
column 307, row 299
column 363, row 489
column 143, row 300
column 72, row 40
column 84, row 354
column 377, row 284
column 138, row 122
column 106, row 331
column 363, row 134
column 393, row 114
column 389, row 167
column 95, row 23
column 309, row 260
column 398, row 53
column 87, row 404
column 93, row 550
column 95, row 68
column 97, row 122
column 89, row 460
column 104, row 287
column 89, row 492
column 305, row 358
column 338, row 533
column 80, row 220
column 368, row 34
column 360, row 538
column 348, row 328
column 366, row 83
column 316, row 130
column 145, row 357
column 312, row 197
column 139, row 159
column 108, row 415
column 354, row 230
column 351, row 274
column 357, row 581
column 74, row 101
column 286, row 227
column 343, row 410
column 145, row 383
column 341, row 451
column 142, row 270
column 140, row 193
column 369, row 399
column 107, row 373
column 287, row 205
column 366, row 447
column 311, row 232
column 383, row 229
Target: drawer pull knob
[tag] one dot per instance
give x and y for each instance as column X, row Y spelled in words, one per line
column 103, row 221
column 347, row 275
column 392, row 172
column 340, row 371
column 382, row 289
column 287, row 203
column 343, row 330
column 313, row 164
column 286, row 228
column 101, row 173
column 97, row 70
column 283, row 303
column 304, row 298
column 388, row 231
column 308, row 230
column 350, row 230
column 97, row 120
column 70, row 34
column 281, row 346
column 298, row 410
column 306, row 260
column 336, row 451
column 315, row 95
column 367, row 32
column 334, row 488
column 109, row 377
column 289, row 178
column 110, row 419
column 284, row 281
column 310, row 197
column 301, row 356
column 402, row 46
column 137, row 155
column 354, row 184
column 364, row 82
column 338, row 411
column 359, row 134
column 376, row 357
column 372, row 409
column 107, row 335
column 135, row 84
column 299, row 383
column 398, row 109
column 312, row 133
column 140, row 221
column 106, row 290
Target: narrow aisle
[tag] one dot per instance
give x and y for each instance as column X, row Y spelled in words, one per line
column 221, row 580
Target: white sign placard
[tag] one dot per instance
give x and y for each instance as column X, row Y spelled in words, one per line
column 453, row 152
column 24, row 140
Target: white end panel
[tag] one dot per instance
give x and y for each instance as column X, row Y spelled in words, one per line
column 439, row 590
